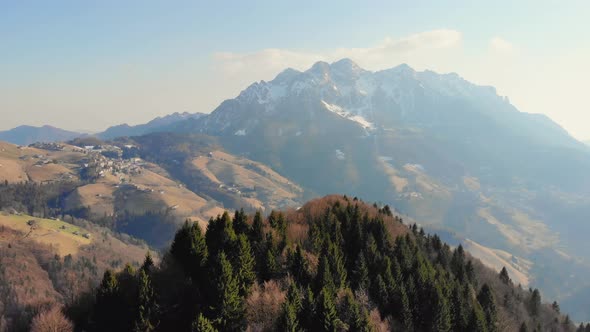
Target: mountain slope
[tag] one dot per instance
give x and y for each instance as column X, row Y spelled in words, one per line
column 157, row 124
column 204, row 167
column 24, row 135
column 99, row 185
column 449, row 153
column 145, row 186
column 51, row 262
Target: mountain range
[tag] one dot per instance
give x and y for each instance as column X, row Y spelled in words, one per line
column 454, row 156
column 155, row 125
column 24, row 135
column 448, row 153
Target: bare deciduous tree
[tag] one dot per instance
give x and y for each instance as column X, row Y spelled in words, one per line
column 51, row 320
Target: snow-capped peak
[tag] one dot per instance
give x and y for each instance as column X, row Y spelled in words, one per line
column 319, row 68
column 346, row 66
column 361, row 95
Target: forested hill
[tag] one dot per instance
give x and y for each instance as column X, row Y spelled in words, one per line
column 335, row 264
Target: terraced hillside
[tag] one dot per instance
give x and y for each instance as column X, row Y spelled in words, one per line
column 106, row 185
column 21, row 163
column 148, row 194
column 206, row 168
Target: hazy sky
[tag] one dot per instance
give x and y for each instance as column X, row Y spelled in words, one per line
column 86, row 65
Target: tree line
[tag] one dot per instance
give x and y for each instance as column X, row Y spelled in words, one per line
column 347, row 272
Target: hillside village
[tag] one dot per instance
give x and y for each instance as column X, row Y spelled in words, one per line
column 91, row 161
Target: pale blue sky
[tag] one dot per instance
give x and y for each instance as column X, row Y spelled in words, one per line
column 91, row 64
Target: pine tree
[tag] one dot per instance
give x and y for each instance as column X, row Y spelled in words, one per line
column 298, row 266
column 229, row 305
column 324, row 279
column 356, row 317
column 458, row 263
column 326, row 311
column 273, row 219
column 442, row 314
column 535, row 303
column 294, row 296
column 270, row 265
column 477, row 320
column 338, row 266
column 504, row 277
column 148, row 308
column 307, row 314
column 406, row 309
column 360, row 275
column 245, row 265
column 220, row 236
column 181, row 245
column 127, row 294
column 279, row 223
column 381, row 295
column 240, row 223
column 488, row 303
column 470, row 272
column 291, row 308
column 353, row 237
column 202, row 324
column 555, row 307
column 190, row 250
column 459, row 310
column 288, row 320
column 148, row 263
column 257, row 232
column 109, row 304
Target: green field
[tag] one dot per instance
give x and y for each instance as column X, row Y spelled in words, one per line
column 65, row 237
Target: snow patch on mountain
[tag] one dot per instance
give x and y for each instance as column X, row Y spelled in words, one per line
column 347, row 115
column 263, row 93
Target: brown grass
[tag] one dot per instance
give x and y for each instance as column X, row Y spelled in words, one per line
column 86, row 196
column 263, row 187
column 12, row 171
column 48, row 172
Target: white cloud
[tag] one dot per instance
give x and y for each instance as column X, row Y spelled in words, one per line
column 501, row 46
column 248, row 67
